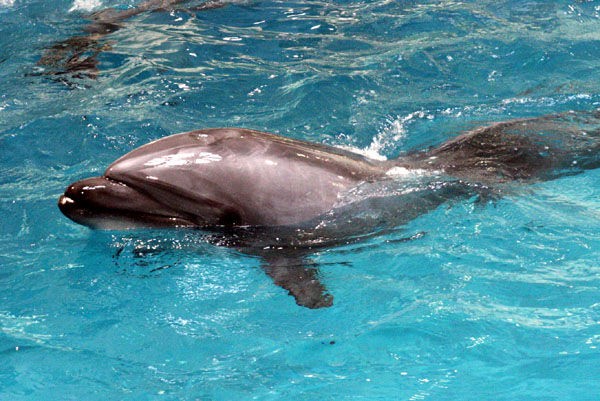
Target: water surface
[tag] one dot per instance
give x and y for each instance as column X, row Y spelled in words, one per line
column 492, row 301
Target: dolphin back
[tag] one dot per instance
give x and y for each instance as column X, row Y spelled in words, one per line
column 519, row 150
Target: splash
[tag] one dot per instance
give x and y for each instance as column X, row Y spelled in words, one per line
column 394, row 131
column 368, row 152
column 81, row 5
column 403, row 172
column 7, row 3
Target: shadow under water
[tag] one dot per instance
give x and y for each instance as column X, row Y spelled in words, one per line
column 75, row 59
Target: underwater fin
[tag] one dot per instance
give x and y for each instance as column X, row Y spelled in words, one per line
column 299, row 279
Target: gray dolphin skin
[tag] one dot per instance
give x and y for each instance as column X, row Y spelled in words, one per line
column 281, row 199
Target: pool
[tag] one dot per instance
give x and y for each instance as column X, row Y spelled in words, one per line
column 493, row 300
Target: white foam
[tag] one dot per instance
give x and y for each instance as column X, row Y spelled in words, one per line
column 7, row 3
column 370, row 153
column 185, row 87
column 394, row 131
column 81, row 5
column 403, row 172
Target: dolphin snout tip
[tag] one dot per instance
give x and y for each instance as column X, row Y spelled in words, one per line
column 66, row 204
column 64, row 200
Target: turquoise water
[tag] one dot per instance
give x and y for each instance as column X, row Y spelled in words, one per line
column 483, row 301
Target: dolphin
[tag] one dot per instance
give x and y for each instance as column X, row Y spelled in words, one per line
column 282, row 199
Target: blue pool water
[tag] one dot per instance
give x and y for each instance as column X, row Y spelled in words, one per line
column 484, row 301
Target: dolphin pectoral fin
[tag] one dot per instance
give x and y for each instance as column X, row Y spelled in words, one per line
column 300, row 280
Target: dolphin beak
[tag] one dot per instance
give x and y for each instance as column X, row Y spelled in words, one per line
column 64, row 204
column 64, row 201
column 100, row 202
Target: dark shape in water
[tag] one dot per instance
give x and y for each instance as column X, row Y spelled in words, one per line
column 77, row 58
column 282, row 199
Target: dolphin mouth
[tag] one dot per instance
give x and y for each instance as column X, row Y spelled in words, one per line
column 103, row 203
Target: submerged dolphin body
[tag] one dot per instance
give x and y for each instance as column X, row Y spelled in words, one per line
column 77, row 57
column 280, row 198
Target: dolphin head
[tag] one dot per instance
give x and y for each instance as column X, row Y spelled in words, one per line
column 217, row 177
column 172, row 182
